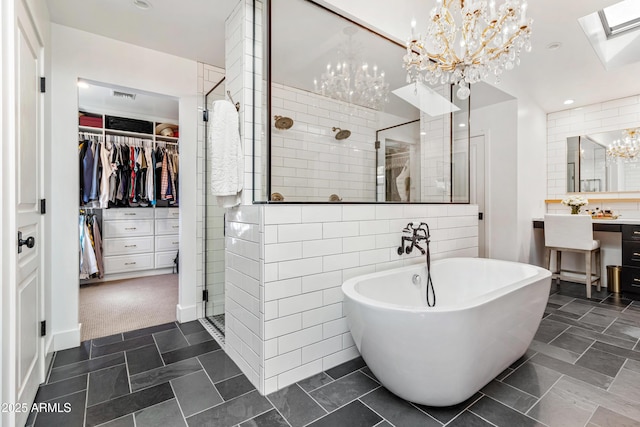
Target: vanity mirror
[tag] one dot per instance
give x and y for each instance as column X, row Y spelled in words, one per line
column 603, row 162
column 351, row 136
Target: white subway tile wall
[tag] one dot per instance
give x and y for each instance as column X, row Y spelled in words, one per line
column 307, row 163
column 284, row 307
column 244, row 318
column 616, row 114
column 305, row 330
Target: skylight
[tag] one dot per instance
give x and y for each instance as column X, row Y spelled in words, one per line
column 620, row 17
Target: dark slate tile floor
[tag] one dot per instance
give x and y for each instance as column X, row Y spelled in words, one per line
column 582, row 369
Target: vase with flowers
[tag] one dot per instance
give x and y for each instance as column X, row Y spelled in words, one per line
column 575, row 203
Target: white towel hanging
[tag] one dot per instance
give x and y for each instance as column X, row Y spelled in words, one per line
column 226, row 158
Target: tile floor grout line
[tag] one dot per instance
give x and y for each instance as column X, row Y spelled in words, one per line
column 212, row 384
column 308, row 393
column 541, row 397
column 464, row 409
column 277, row 410
column 471, row 412
column 126, row 363
column 235, row 376
column 370, row 376
column 312, row 390
column 617, row 373
column 159, row 352
column 336, row 409
column 221, row 403
column 175, row 396
column 86, row 402
column 373, row 410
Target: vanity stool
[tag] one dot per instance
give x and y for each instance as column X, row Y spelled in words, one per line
column 572, row 233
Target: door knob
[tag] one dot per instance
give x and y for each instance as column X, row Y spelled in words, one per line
column 30, row 242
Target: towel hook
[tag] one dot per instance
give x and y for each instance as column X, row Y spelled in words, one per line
column 237, row 104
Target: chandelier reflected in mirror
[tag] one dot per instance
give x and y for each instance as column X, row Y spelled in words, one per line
column 351, row 79
column 626, row 149
column 467, row 41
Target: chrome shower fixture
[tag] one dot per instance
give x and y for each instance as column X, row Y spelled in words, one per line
column 342, row 133
column 283, row 122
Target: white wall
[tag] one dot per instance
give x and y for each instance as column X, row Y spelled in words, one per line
column 498, row 124
column 77, row 54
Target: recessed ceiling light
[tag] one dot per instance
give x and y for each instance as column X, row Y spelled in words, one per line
column 462, row 125
column 569, row 102
column 423, row 133
column 554, row 46
column 142, row 4
column 82, row 84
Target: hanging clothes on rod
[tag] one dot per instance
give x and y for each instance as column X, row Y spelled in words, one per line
column 89, row 149
column 167, row 173
column 91, row 264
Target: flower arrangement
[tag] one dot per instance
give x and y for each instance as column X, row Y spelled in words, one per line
column 575, row 203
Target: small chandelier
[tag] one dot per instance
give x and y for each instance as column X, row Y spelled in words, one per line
column 352, row 80
column 626, row 149
column 468, row 40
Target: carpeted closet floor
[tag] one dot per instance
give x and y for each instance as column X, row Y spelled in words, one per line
column 125, row 305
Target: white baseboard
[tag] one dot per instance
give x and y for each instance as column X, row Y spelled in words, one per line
column 67, row 339
column 186, row 314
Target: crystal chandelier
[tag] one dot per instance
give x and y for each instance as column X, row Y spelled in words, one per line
column 351, row 79
column 626, row 149
column 468, row 40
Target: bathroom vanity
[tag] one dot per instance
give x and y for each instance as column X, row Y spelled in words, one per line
column 625, row 247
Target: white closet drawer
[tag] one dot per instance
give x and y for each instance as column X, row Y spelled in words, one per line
column 167, row 213
column 167, row 243
column 167, row 226
column 119, row 264
column 127, row 213
column 125, row 246
column 165, row 259
column 128, row 228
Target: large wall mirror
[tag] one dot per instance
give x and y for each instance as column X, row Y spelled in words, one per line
column 338, row 132
column 593, row 166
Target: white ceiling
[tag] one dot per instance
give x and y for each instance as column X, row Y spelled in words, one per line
column 195, row 30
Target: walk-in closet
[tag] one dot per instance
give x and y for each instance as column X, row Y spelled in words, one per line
column 128, row 218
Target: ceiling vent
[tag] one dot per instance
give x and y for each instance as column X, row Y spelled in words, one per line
column 123, row 95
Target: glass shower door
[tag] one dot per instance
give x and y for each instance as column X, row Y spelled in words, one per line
column 213, row 232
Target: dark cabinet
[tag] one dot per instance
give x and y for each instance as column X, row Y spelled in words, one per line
column 630, row 259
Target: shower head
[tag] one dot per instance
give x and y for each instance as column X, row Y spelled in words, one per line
column 342, row 133
column 283, row 122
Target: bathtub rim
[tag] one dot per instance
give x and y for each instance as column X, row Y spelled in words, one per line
column 348, row 287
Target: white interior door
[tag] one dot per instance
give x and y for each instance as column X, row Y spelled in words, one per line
column 28, row 281
column 477, row 190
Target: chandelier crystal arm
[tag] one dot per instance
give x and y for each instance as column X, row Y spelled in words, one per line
column 490, row 41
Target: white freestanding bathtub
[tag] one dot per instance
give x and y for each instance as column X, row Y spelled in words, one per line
column 486, row 314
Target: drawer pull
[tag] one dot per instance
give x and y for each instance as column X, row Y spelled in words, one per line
column 176, row 226
column 130, row 263
column 130, row 246
column 175, row 243
column 131, row 228
column 130, row 213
